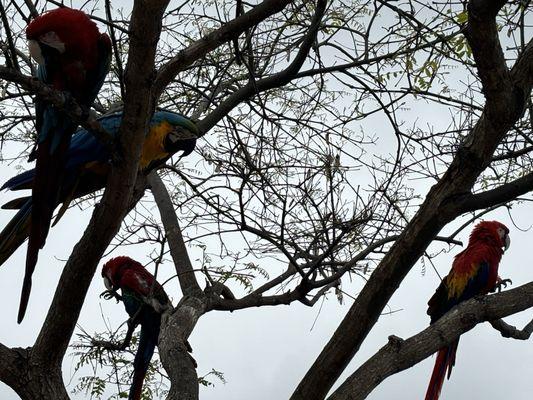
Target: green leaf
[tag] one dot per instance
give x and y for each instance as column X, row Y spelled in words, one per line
column 462, row 17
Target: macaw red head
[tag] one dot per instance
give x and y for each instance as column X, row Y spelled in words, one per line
column 492, row 232
column 65, row 31
column 114, row 268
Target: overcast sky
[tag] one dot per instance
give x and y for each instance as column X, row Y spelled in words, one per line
column 264, row 352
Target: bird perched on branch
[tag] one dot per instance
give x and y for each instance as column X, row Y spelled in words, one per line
column 73, row 57
column 145, row 301
column 87, row 165
column 474, row 272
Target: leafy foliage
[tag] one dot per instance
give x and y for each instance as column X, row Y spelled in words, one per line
column 106, row 371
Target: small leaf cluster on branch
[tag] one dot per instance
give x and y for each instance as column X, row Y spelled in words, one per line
column 324, row 167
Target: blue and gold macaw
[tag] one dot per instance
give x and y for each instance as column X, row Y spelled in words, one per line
column 88, row 163
column 73, row 57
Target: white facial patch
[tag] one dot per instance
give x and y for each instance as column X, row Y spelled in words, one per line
column 504, row 237
column 35, row 52
column 51, row 39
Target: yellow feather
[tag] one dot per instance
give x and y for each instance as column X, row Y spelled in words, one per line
column 456, row 283
column 153, row 148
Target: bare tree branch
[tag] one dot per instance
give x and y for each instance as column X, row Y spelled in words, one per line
column 437, row 210
column 276, row 80
column 60, row 100
column 12, row 362
column 184, row 268
column 227, row 32
column 173, row 349
column 509, row 331
column 400, row 354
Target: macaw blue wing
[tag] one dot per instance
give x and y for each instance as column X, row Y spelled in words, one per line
column 84, row 170
column 477, row 282
column 16, row 231
column 20, row 182
column 459, row 285
column 86, row 148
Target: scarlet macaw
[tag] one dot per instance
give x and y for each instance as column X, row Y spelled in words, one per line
column 73, row 57
column 474, row 272
column 145, row 301
column 88, row 163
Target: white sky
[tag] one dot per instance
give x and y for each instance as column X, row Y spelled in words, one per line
column 264, row 352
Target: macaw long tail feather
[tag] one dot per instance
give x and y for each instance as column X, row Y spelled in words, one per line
column 66, row 202
column 444, row 362
column 452, row 353
column 145, row 351
column 15, row 232
column 24, row 297
column 48, row 176
column 16, row 204
column 21, row 181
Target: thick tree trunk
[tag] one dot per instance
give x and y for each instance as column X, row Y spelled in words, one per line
column 173, row 348
column 30, row 376
column 177, row 325
column 506, row 93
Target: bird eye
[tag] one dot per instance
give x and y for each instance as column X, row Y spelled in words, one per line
column 51, row 39
column 173, row 136
column 179, row 133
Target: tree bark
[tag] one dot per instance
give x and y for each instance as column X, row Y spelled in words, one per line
column 177, row 325
column 43, row 365
column 400, row 354
column 179, row 364
column 506, row 96
column 178, row 250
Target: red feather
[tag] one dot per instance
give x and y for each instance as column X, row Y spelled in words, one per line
column 124, row 272
column 444, row 362
column 474, row 271
column 138, row 280
column 79, row 67
column 80, row 43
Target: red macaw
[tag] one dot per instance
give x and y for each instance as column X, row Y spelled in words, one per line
column 73, row 57
column 474, row 272
column 145, row 300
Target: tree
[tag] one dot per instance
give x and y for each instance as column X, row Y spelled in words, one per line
column 285, row 94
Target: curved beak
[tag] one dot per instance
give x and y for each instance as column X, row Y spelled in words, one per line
column 507, row 242
column 181, row 139
column 107, row 283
